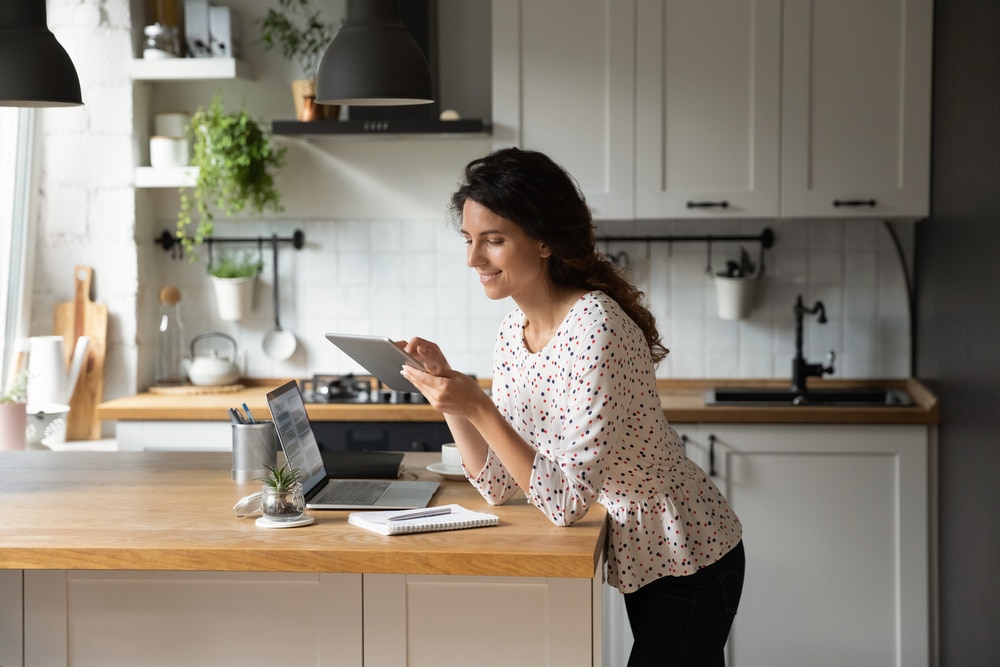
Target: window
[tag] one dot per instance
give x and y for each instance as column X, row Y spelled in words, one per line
column 15, row 168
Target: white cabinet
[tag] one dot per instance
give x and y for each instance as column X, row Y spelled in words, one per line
column 118, row 618
column 707, row 109
column 563, row 84
column 837, row 533
column 723, row 108
column 856, row 107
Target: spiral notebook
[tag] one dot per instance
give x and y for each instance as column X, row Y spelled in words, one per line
column 457, row 519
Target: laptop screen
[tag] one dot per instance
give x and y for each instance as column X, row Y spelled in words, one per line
column 298, row 441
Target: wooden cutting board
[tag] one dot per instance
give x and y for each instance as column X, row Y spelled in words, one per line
column 83, row 317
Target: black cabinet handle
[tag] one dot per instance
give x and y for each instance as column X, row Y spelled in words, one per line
column 837, row 203
column 708, row 204
column 711, row 455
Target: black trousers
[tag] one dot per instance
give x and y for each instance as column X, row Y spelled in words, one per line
column 685, row 621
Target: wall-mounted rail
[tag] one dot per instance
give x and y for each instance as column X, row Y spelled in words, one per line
column 298, row 239
column 765, row 238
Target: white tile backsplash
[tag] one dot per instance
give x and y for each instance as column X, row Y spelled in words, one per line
column 408, row 278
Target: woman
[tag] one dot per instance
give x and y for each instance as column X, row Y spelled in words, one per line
column 575, row 417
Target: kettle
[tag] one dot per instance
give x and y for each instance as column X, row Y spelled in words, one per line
column 48, row 379
column 213, row 370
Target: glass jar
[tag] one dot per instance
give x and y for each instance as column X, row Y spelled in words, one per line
column 161, row 42
column 171, row 354
column 284, row 505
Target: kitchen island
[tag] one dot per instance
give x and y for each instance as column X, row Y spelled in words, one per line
column 125, row 558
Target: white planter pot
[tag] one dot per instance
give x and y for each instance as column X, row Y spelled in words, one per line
column 734, row 296
column 234, row 297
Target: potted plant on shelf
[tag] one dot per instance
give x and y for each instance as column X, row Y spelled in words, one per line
column 14, row 413
column 297, row 29
column 236, row 169
column 734, row 288
column 234, row 277
column 281, row 495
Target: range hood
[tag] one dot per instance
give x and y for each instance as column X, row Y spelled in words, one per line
column 420, row 18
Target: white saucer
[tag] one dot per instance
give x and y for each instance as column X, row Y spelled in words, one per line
column 448, row 472
column 264, row 522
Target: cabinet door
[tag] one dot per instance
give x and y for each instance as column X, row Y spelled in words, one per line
column 707, row 123
column 836, row 533
column 455, row 621
column 563, row 84
column 856, row 79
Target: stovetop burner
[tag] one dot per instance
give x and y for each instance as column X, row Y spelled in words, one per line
column 350, row 388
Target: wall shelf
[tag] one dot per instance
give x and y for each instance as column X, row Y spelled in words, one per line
column 165, row 177
column 189, row 69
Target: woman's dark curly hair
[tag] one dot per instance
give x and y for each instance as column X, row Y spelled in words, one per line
column 529, row 189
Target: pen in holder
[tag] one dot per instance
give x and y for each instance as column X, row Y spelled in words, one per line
column 255, row 446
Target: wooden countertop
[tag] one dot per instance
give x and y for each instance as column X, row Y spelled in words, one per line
column 173, row 511
column 683, row 403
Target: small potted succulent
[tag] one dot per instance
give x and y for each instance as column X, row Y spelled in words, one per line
column 13, row 413
column 298, row 30
column 282, row 498
column 236, row 170
column 734, row 287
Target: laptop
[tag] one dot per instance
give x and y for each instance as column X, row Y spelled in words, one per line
column 326, row 492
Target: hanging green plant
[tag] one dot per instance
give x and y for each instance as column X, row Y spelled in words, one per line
column 236, row 169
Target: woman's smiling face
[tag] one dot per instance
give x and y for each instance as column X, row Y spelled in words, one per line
column 508, row 261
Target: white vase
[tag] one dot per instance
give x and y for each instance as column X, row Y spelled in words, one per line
column 734, row 296
column 234, row 297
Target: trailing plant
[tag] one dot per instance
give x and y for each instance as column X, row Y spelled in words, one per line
column 297, row 29
column 17, row 392
column 281, row 479
column 236, row 264
column 236, row 169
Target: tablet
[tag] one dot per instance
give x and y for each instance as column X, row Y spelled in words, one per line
column 379, row 356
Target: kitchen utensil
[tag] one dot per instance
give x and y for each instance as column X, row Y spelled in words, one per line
column 279, row 344
column 212, row 370
column 83, row 317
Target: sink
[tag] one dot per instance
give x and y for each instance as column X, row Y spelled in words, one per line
column 825, row 397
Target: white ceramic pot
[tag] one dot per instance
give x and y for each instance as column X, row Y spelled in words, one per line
column 234, row 297
column 169, row 152
column 171, row 123
column 734, row 296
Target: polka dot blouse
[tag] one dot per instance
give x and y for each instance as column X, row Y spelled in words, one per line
column 588, row 404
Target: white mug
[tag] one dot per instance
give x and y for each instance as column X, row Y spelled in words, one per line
column 450, row 456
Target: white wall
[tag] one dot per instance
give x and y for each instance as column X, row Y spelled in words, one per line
column 380, row 256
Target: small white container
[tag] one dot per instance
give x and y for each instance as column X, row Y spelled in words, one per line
column 169, row 151
column 735, row 296
column 170, row 123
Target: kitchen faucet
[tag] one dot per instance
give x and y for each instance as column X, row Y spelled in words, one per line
column 802, row 369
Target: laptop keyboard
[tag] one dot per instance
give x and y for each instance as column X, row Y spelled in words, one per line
column 360, row 492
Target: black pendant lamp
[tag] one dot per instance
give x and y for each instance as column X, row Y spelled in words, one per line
column 35, row 70
column 373, row 60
